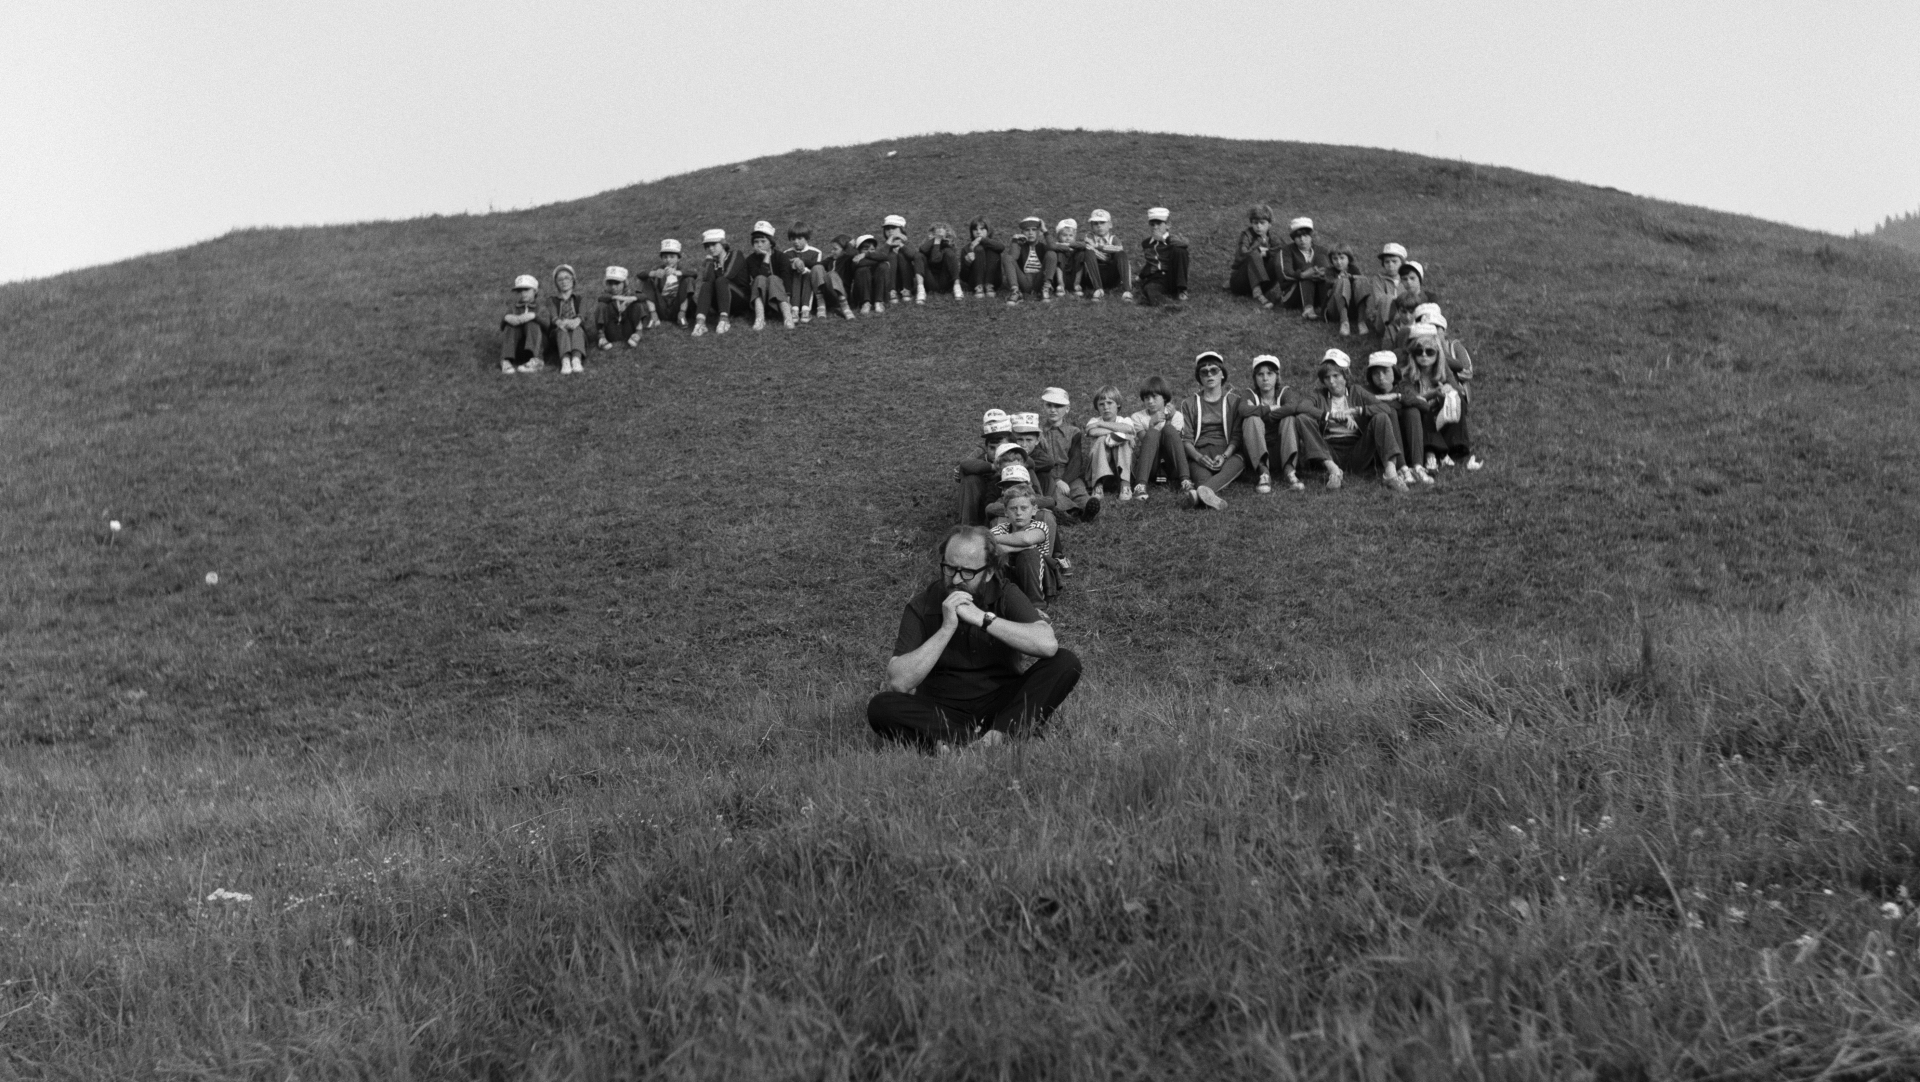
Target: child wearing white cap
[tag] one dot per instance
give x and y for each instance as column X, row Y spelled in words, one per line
column 522, row 343
column 668, row 288
column 1163, row 262
column 1065, row 246
column 1303, row 271
column 716, row 291
column 981, row 261
column 1023, row 540
column 867, row 270
column 1435, row 407
column 972, row 472
column 1103, row 260
column 1215, row 455
column 617, row 313
column 1065, row 462
column 765, row 287
column 1385, row 287
column 1027, row 264
column 907, row 273
column 563, row 319
column 1256, row 258
column 1344, row 425
column 940, row 255
column 1266, row 426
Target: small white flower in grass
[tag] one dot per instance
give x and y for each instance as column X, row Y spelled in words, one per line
column 114, row 525
column 1736, row 914
column 1828, row 891
column 225, row 895
column 1890, row 910
column 1516, row 830
column 213, row 578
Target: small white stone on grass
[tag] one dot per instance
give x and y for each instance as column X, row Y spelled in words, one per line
column 225, row 895
column 213, row 578
column 114, row 525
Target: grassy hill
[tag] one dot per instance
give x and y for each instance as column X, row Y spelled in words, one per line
column 528, row 709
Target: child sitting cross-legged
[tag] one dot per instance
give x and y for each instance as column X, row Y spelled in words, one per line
column 1023, row 539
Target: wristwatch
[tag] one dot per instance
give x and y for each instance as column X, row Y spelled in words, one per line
column 987, row 619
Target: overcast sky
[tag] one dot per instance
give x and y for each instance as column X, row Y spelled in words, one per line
column 137, row 126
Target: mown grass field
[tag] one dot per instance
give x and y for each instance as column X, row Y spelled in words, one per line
column 528, row 710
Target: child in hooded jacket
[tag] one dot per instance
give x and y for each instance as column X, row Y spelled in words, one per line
column 1266, row 428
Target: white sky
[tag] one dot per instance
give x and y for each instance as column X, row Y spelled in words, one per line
column 137, row 125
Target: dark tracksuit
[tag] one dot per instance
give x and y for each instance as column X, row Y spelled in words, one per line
column 941, row 260
column 1101, row 269
column 984, row 269
column 1349, row 297
column 1159, row 444
column 669, row 301
column 1299, row 287
column 526, row 341
column 867, row 274
column 1163, row 268
column 904, row 262
column 1375, row 445
column 614, row 322
column 718, row 291
column 760, row 280
column 1213, row 428
column 1269, row 435
column 1061, row 456
column 1419, row 413
column 1014, row 263
column 566, row 340
column 1254, row 271
column 1066, row 259
column 977, row 684
column 801, row 283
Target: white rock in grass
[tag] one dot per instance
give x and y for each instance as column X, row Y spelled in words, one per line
column 114, row 525
column 1890, row 910
column 225, row 895
column 213, row 578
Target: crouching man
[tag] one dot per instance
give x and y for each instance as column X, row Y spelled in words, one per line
column 954, row 675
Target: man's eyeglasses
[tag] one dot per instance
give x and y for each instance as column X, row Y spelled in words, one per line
column 953, row 571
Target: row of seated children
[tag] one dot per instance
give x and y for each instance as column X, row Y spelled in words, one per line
column 1325, row 283
column 795, row 283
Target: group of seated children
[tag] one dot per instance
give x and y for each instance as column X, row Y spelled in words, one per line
column 792, row 285
column 1326, row 283
column 1404, row 418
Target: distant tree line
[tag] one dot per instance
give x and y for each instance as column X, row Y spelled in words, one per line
column 1903, row 230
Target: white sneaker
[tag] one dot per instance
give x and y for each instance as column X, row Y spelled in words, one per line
column 959, row 293
column 1433, row 463
column 880, row 306
column 724, row 326
column 865, row 308
column 506, row 366
column 920, row 295
column 1127, row 296
column 1099, row 294
column 579, row 364
column 759, row 321
column 1125, row 493
column 1474, row 463
column 699, row 328
column 1421, row 475
column 534, row 364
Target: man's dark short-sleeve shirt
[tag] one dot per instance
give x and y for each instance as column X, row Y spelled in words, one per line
column 974, row 664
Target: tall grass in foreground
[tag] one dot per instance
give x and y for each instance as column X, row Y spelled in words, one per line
column 1690, row 855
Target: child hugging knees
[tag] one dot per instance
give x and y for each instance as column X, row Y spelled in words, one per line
column 1022, row 540
column 1065, row 247
column 1109, row 444
column 1157, row 426
column 1021, row 452
column 832, row 277
column 763, row 283
column 800, row 269
column 1256, row 258
column 973, row 473
column 940, row 255
column 908, row 280
column 1016, row 476
column 715, row 292
column 563, row 319
column 1267, row 426
column 520, row 334
column 980, row 261
column 1303, row 271
column 1103, row 260
column 1348, row 291
column 1026, row 266
column 618, row 315
column 667, row 289
column 867, row 270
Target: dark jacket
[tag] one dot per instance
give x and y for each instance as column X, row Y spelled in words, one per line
column 1152, row 251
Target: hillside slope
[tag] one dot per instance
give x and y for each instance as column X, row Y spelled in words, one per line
column 1676, row 404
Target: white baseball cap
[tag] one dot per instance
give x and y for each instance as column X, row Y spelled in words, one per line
column 1066, row 223
column 1099, row 216
column 526, row 281
column 862, row 239
column 1159, row 214
column 1266, row 360
column 1005, row 448
column 1015, row 474
column 764, row 226
column 1383, row 359
column 1055, row 396
column 669, row 245
column 1423, row 330
column 1437, row 320
column 1026, row 422
column 894, row 220
column 994, row 421
column 1416, row 267
column 714, row 236
column 1394, row 250
column 1338, row 357
column 1298, row 224
column 1034, row 218
column 616, row 274
column 1424, row 311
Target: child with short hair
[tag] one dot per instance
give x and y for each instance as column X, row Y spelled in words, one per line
column 1158, row 424
column 1065, row 247
column 980, row 262
column 1023, row 540
column 1110, row 440
column 1163, row 262
column 940, row 255
column 908, row 277
column 1348, row 290
column 1103, row 259
column 971, row 473
column 520, row 334
column 1303, row 271
column 668, row 288
column 563, row 317
column 1027, row 263
column 867, row 270
column 1256, row 258
column 800, row 269
column 764, row 285
column 1011, row 467
column 715, row 292
column 1266, row 429
column 618, row 314
column 1384, row 287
